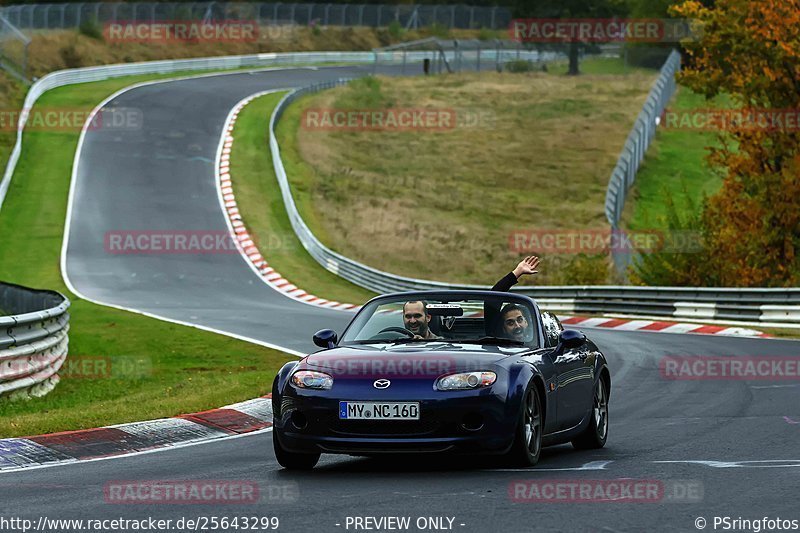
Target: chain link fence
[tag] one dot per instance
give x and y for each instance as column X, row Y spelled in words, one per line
column 13, row 49
column 457, row 55
column 66, row 16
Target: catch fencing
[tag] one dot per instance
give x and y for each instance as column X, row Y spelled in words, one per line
column 33, row 340
column 72, row 15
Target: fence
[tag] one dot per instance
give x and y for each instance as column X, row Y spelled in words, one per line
column 457, row 55
column 64, row 16
column 772, row 306
column 13, row 49
column 33, row 340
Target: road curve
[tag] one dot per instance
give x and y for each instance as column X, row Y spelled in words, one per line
column 162, row 178
column 159, row 178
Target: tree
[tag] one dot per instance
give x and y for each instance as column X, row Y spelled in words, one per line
column 570, row 9
column 750, row 50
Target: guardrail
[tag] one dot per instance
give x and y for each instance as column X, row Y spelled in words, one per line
column 33, row 340
column 644, row 129
column 779, row 307
column 72, row 15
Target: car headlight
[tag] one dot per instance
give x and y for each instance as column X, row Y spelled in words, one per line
column 466, row 381
column 311, row 379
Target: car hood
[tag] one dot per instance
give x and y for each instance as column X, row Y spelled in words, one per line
column 420, row 360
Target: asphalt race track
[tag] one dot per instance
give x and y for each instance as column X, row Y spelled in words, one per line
column 721, row 448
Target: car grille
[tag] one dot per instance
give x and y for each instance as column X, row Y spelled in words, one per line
column 382, row 428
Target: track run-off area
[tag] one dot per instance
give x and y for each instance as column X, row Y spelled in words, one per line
column 717, row 448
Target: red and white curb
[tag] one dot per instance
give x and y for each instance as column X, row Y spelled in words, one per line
column 244, row 241
column 620, row 324
column 135, row 438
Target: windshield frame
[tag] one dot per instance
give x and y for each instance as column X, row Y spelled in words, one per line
column 445, row 295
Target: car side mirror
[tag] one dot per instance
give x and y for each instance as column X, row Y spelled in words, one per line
column 570, row 338
column 325, row 338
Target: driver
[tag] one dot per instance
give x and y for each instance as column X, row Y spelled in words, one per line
column 515, row 322
column 417, row 320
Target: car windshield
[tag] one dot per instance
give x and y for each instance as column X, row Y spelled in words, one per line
column 484, row 319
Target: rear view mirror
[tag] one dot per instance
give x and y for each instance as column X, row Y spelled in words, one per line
column 445, row 310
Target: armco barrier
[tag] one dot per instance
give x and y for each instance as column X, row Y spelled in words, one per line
column 773, row 306
column 33, row 340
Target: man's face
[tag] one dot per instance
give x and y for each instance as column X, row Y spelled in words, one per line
column 415, row 319
column 515, row 324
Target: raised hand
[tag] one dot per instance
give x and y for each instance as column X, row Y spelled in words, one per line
column 527, row 266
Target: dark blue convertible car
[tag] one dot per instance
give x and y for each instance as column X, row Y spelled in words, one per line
column 449, row 371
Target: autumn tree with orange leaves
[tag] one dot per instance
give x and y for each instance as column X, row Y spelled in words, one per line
column 750, row 50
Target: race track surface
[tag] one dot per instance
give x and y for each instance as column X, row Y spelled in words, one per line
column 733, row 445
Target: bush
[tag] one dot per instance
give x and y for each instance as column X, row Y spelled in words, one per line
column 91, row 28
column 584, row 269
column 684, row 260
column 519, row 65
column 485, row 34
column 439, row 30
column 646, row 56
column 396, row 29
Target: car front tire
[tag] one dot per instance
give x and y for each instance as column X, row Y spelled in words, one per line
column 528, row 437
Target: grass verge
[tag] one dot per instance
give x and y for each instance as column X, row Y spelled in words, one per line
column 177, row 369
column 674, row 165
column 531, row 150
column 262, row 208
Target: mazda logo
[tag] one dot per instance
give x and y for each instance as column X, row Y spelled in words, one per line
column 381, row 383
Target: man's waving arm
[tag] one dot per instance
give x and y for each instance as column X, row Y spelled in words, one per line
column 525, row 267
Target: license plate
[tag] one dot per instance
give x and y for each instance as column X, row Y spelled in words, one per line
column 379, row 410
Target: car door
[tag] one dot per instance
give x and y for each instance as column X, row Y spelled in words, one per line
column 574, row 374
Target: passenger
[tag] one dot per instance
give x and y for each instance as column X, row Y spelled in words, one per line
column 496, row 319
column 515, row 323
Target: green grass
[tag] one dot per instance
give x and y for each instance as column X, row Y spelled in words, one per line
column 597, row 65
column 261, row 205
column 675, row 162
column 183, row 369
